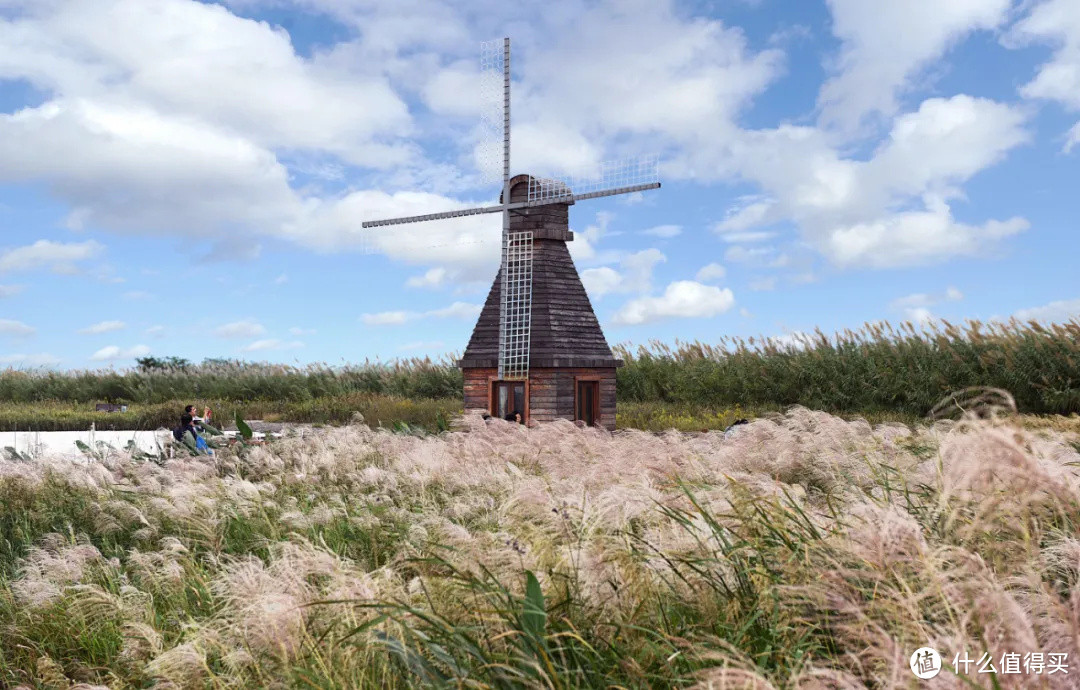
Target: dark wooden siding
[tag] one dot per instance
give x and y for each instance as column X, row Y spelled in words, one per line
column 551, row 392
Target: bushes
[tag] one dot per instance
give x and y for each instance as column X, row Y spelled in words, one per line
column 226, row 380
column 377, row 409
column 875, row 370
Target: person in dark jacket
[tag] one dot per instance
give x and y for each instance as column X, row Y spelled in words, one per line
column 202, row 423
column 195, row 442
column 187, row 424
column 515, row 416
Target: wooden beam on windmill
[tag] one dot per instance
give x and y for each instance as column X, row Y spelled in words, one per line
column 607, row 179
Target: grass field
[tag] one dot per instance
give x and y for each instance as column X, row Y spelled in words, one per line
column 429, row 415
column 804, row 551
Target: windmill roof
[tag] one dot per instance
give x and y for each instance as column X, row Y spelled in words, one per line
column 564, row 331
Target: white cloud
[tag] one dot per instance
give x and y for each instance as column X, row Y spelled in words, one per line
column 457, row 310
column 138, row 92
column 893, row 209
column 745, row 313
column 247, row 328
column 281, row 279
column 388, row 318
column 138, row 295
column 664, row 231
column 916, row 306
column 638, row 268
column 432, row 278
column 915, row 237
column 919, row 299
column 681, row 299
column 35, row 360
column 168, row 55
column 749, row 212
column 301, row 331
column 584, row 245
column 103, row 327
column 919, row 315
column 271, row 344
column 601, row 281
column 763, row 285
column 1072, row 138
column 113, row 353
column 781, row 261
column 697, row 63
column 1055, row 312
column 162, row 164
column 470, row 244
column 10, row 290
column 160, row 113
column 747, row 255
column 156, row 331
column 710, row 273
column 795, row 341
column 635, row 274
column 16, row 329
column 1056, row 22
column 60, row 257
column 886, row 44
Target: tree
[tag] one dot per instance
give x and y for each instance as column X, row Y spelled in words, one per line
column 151, row 364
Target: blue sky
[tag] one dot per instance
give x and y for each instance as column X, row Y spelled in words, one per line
column 189, row 178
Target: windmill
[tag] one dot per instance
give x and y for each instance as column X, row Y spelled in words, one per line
column 534, row 211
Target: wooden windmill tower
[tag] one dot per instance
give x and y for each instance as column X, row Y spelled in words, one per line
column 537, row 347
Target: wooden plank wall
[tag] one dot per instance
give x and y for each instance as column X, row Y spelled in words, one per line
column 551, row 392
column 478, row 388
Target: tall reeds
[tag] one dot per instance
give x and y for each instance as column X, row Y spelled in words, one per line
column 802, row 551
column 877, row 368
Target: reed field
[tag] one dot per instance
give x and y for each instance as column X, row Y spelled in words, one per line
column 800, row 551
column 879, row 372
column 875, row 369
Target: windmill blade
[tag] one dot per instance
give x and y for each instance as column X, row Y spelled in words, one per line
column 612, row 177
column 431, row 216
column 493, row 147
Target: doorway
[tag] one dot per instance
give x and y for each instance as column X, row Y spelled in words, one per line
column 508, row 397
column 588, row 402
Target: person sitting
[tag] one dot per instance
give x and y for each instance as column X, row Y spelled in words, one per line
column 202, row 423
column 187, row 425
column 515, row 416
column 188, row 434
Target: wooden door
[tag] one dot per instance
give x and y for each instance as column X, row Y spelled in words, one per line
column 588, row 402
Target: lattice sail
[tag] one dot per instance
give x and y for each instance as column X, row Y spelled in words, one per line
column 611, row 176
column 515, row 309
column 493, row 130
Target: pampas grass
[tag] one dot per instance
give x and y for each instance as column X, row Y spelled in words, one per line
column 801, row 551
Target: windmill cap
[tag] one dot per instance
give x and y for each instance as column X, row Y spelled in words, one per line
column 551, row 187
